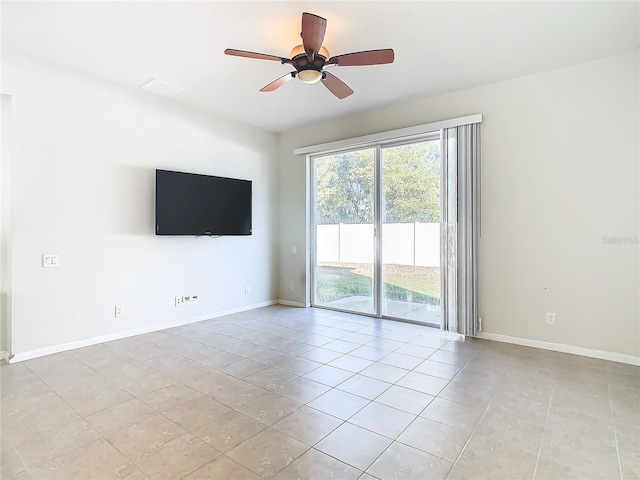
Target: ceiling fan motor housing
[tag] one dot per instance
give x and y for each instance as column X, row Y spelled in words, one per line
column 309, row 71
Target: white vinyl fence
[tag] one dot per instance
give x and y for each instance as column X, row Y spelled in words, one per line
column 402, row 243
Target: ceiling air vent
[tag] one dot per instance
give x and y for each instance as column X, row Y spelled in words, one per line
column 163, row 88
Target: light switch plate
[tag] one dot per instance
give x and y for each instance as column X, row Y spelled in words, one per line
column 50, row 260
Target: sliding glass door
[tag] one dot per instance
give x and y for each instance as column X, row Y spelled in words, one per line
column 376, row 230
column 344, row 274
column 411, row 231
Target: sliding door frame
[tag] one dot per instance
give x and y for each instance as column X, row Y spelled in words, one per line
column 377, row 224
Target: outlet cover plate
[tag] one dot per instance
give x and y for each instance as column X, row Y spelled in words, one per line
column 551, row 318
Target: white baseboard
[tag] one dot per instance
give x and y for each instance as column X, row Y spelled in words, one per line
column 559, row 347
column 41, row 352
column 289, row 303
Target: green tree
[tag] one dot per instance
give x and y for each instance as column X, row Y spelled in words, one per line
column 411, row 185
column 345, row 187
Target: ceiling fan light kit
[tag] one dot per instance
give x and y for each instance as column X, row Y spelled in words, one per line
column 309, row 76
column 310, row 59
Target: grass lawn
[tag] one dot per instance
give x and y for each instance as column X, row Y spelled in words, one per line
column 401, row 282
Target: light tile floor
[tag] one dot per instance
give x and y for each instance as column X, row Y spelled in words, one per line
column 289, row 393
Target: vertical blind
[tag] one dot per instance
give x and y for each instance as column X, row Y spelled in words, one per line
column 459, row 228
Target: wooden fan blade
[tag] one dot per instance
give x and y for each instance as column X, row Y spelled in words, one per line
column 259, row 56
column 336, row 86
column 369, row 57
column 279, row 82
column 313, row 29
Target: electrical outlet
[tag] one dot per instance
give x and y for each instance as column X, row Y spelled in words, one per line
column 294, row 249
column 551, row 318
column 119, row 311
column 178, row 301
column 290, row 285
column 247, row 290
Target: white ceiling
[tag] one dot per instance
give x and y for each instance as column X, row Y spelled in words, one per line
column 440, row 47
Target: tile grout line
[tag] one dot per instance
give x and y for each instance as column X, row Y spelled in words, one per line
column 544, row 429
column 393, row 440
column 416, row 418
column 83, row 418
column 615, row 430
column 135, row 397
column 26, row 468
column 307, row 405
column 455, row 462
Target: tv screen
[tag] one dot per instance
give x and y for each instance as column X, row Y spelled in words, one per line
column 192, row 204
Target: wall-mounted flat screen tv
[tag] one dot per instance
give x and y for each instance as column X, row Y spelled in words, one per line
column 193, row 204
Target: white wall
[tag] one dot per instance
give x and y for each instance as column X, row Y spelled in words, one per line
column 84, row 155
column 559, row 172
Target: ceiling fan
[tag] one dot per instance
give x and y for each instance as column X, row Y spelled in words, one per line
column 310, row 59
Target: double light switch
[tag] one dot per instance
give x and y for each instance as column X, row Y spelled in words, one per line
column 50, row 260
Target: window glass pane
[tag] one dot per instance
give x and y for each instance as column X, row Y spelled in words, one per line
column 344, row 213
column 411, row 231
